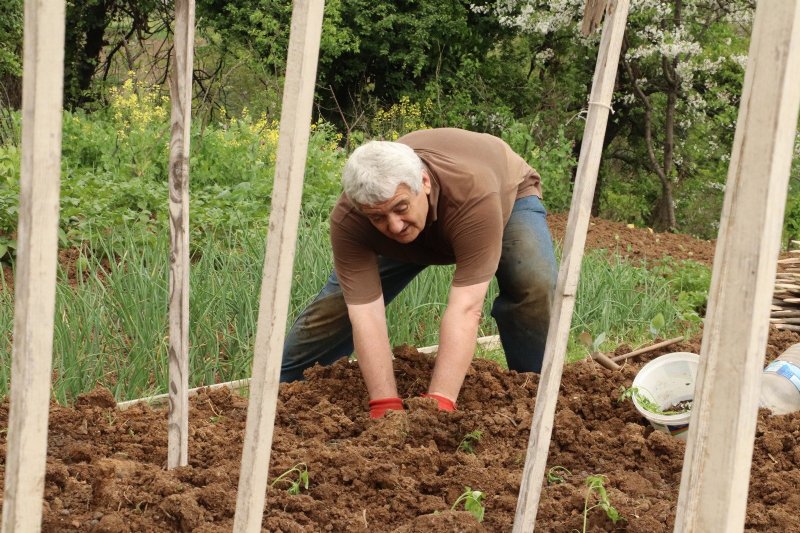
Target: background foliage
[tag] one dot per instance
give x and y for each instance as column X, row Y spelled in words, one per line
column 514, row 68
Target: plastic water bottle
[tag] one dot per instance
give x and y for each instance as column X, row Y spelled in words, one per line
column 780, row 383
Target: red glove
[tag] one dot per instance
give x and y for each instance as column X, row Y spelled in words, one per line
column 445, row 404
column 378, row 408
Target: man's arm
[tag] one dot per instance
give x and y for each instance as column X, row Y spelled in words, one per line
column 457, row 336
column 371, row 341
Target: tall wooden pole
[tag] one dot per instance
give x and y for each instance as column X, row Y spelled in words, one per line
column 181, row 94
column 569, row 272
column 719, row 450
column 35, row 284
column 298, row 93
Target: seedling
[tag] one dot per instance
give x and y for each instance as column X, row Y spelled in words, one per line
column 301, row 472
column 556, row 474
column 472, row 502
column 596, row 486
column 470, row 441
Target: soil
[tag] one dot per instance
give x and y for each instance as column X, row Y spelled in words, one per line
column 106, row 468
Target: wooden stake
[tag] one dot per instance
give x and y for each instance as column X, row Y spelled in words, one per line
column 181, row 93
column 787, row 327
column 716, row 469
column 566, row 286
column 786, row 313
column 298, row 92
column 784, row 320
column 35, row 284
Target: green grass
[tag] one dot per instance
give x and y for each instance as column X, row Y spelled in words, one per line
column 112, row 327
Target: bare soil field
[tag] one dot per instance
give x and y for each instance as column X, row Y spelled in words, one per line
column 106, row 467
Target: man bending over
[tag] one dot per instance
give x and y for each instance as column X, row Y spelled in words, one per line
column 434, row 197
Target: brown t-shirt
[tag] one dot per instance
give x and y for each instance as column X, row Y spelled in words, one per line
column 475, row 179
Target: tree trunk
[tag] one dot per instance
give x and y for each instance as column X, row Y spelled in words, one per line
column 86, row 27
column 663, row 218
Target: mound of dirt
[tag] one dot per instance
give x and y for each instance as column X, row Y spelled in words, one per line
column 403, row 473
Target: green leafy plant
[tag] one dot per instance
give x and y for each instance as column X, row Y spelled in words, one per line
column 473, row 503
column 657, row 324
column 297, row 478
column 689, row 282
column 470, row 441
column 791, row 220
column 644, row 399
column 8, row 247
column 596, row 486
column 556, row 474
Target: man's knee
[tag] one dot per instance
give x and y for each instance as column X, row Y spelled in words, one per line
column 321, row 334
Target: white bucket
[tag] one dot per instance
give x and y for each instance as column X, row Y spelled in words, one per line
column 668, row 380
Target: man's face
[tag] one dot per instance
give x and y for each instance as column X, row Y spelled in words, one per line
column 402, row 217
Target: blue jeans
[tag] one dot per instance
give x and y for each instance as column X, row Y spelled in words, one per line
column 526, row 278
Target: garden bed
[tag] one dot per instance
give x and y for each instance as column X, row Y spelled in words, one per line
column 106, row 468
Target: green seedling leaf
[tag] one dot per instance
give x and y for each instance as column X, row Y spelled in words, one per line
column 556, row 474
column 470, row 441
column 297, row 483
column 473, row 503
column 625, row 393
column 600, row 339
column 596, row 486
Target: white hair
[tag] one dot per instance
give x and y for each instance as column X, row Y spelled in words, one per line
column 375, row 170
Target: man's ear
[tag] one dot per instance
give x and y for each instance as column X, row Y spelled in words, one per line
column 426, row 182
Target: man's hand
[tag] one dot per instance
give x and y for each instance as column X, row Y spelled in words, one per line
column 371, row 342
column 457, row 336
